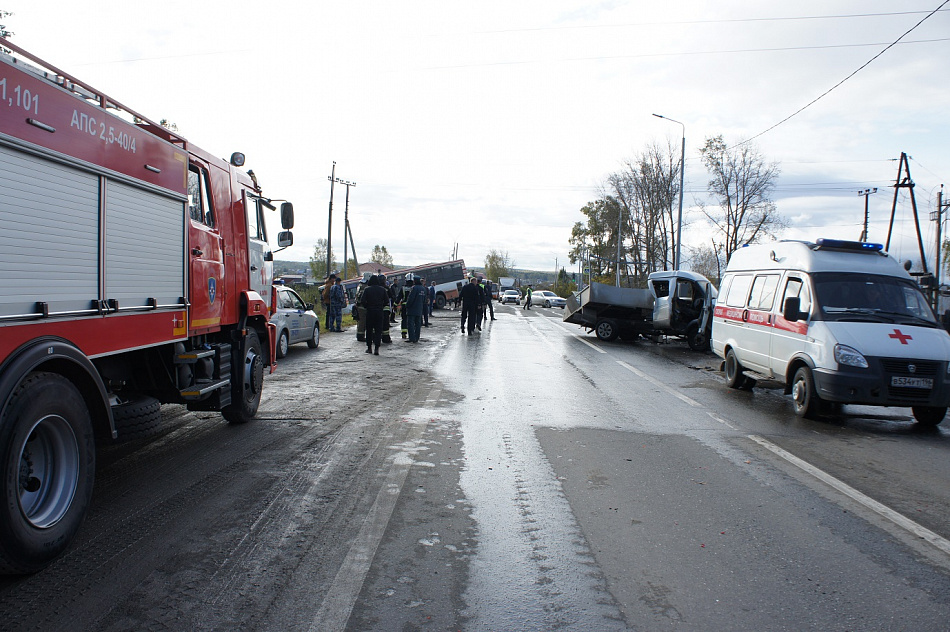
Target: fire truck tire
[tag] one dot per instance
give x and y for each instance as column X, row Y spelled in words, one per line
column 696, row 339
column 283, row 344
column 247, row 379
column 314, row 341
column 929, row 415
column 48, row 463
column 138, row 418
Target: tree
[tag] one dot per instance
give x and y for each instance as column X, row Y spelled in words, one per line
column 596, row 240
column 742, row 183
column 318, row 260
column 3, row 29
column 706, row 261
column 381, row 256
column 498, row 264
column 564, row 285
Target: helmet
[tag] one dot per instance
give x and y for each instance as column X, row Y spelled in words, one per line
column 367, row 276
column 409, row 276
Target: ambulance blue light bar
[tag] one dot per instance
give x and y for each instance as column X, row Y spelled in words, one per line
column 852, row 246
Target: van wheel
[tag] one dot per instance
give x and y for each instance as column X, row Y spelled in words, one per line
column 696, row 339
column 929, row 415
column 804, row 397
column 733, row 371
column 606, row 329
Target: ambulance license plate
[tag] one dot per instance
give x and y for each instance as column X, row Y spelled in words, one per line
column 912, row 382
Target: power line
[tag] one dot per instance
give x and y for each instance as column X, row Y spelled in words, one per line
column 863, row 66
column 715, row 21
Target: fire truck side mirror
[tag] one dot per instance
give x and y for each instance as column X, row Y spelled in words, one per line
column 285, row 239
column 287, row 215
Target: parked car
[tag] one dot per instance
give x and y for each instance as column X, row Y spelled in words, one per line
column 511, row 296
column 547, row 298
column 295, row 320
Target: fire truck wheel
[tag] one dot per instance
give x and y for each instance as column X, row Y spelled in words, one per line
column 138, row 418
column 47, row 463
column 696, row 339
column 247, row 378
column 929, row 415
column 283, row 344
column 314, row 341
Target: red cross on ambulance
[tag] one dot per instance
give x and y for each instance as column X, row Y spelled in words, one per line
column 898, row 335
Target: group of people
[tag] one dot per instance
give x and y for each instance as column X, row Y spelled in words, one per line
column 476, row 299
column 334, row 300
column 378, row 301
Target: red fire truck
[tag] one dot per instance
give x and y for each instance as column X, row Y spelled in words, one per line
column 134, row 271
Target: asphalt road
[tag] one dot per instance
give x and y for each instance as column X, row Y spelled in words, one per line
column 529, row 477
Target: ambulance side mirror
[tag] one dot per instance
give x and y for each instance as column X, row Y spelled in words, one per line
column 792, row 309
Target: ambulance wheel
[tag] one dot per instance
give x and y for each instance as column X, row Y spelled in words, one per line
column 929, row 415
column 247, row 378
column 606, row 329
column 696, row 339
column 283, row 344
column 314, row 340
column 47, row 467
column 733, row 371
column 804, row 396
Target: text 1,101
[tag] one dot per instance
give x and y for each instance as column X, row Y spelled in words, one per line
column 19, row 97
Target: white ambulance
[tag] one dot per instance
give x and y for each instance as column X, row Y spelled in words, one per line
column 836, row 321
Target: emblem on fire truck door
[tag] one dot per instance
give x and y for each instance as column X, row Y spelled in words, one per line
column 212, row 288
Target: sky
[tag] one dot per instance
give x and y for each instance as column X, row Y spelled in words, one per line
column 489, row 125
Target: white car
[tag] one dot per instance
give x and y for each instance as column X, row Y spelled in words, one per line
column 547, row 298
column 295, row 320
column 511, row 296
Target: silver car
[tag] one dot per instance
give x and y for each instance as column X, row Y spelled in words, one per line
column 295, row 320
column 547, row 298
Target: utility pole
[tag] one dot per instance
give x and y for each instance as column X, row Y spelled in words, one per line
column 906, row 182
column 866, row 193
column 332, row 178
column 346, row 224
column 937, row 216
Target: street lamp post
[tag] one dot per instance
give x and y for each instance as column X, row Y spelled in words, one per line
column 679, row 218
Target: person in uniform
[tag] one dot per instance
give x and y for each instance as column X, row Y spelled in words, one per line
column 469, row 296
column 415, row 307
column 374, row 300
column 359, row 312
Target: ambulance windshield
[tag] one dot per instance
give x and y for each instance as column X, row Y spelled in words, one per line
column 871, row 298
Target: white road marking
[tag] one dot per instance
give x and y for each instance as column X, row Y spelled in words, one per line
column 338, row 604
column 721, row 420
column 589, row 344
column 882, row 510
column 669, row 389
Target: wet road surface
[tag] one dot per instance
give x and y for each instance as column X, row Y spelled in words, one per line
column 529, row 477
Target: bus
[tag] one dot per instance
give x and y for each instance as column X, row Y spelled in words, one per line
column 448, row 276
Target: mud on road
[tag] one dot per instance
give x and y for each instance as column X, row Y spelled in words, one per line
column 272, row 524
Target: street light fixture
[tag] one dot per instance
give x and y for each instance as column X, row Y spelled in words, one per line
column 679, row 218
